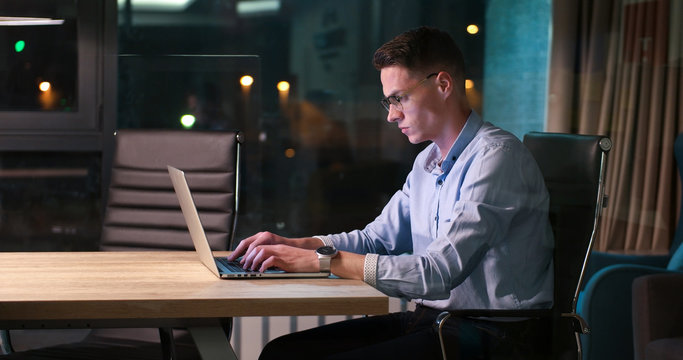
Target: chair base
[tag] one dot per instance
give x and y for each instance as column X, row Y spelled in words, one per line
column 106, row 344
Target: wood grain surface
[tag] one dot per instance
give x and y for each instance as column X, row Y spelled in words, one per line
column 89, row 286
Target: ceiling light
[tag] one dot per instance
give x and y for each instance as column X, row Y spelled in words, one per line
column 28, row 21
column 157, row 5
column 258, row 7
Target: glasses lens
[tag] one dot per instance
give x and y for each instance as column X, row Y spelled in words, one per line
column 396, row 101
column 385, row 103
column 392, row 100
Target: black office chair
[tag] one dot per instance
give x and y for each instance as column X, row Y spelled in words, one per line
column 143, row 213
column 573, row 167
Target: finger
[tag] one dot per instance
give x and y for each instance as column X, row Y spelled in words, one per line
column 251, row 244
column 248, row 258
column 241, row 248
column 258, row 240
column 268, row 263
column 236, row 253
column 262, row 254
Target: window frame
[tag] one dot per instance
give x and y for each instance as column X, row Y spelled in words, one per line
column 86, row 120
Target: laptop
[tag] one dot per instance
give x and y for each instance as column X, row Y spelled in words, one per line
column 218, row 265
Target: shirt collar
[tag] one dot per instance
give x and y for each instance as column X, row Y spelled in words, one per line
column 466, row 135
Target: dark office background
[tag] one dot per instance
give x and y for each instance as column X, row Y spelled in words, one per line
column 319, row 157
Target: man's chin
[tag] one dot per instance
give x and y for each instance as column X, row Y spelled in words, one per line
column 414, row 139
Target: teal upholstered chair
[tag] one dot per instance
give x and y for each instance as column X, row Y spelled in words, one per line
column 605, row 302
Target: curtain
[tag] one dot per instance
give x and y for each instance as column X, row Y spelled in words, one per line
column 616, row 70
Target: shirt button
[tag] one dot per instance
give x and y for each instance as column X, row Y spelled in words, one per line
column 440, row 182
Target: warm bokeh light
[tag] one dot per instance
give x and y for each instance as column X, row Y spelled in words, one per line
column 469, row 84
column 187, row 120
column 44, row 86
column 283, row 92
column 48, row 97
column 289, row 153
column 246, row 80
column 472, row 29
column 283, row 86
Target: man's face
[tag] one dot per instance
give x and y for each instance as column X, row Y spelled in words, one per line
column 417, row 120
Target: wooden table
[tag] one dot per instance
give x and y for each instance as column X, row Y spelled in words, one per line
column 160, row 289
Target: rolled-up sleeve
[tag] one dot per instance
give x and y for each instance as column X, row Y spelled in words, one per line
column 370, row 269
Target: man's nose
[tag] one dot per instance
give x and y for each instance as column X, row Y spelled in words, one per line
column 394, row 114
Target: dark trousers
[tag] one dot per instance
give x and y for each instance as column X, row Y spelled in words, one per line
column 413, row 335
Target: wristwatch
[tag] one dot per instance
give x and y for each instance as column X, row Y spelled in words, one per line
column 325, row 255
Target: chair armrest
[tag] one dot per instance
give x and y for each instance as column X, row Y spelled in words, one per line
column 606, row 305
column 492, row 314
column 599, row 260
column 502, row 313
column 577, row 321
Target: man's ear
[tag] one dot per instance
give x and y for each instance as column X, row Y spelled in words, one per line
column 445, row 83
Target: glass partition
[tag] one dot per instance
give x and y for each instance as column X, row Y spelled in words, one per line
column 320, row 156
column 214, row 92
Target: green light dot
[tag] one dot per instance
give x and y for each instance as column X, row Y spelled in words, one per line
column 187, row 120
column 19, row 46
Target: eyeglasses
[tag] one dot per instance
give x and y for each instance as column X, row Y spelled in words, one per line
column 396, row 99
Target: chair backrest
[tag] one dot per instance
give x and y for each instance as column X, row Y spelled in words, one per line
column 142, row 211
column 573, row 167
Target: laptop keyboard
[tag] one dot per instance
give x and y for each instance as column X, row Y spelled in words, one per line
column 233, row 266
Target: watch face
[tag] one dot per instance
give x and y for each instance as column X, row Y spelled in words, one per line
column 326, row 250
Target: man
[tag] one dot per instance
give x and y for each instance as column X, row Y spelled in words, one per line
column 468, row 230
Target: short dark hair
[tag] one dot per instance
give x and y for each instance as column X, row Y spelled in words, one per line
column 424, row 49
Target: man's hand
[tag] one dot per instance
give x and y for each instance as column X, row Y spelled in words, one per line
column 288, row 258
column 247, row 245
column 265, row 249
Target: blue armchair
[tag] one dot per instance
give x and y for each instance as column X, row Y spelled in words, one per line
column 605, row 302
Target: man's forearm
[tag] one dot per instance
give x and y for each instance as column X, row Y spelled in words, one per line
column 348, row 265
column 311, row 243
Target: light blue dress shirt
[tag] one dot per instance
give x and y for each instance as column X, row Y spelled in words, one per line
column 472, row 233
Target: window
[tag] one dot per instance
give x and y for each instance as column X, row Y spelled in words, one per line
column 51, row 92
column 47, row 73
column 320, row 157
